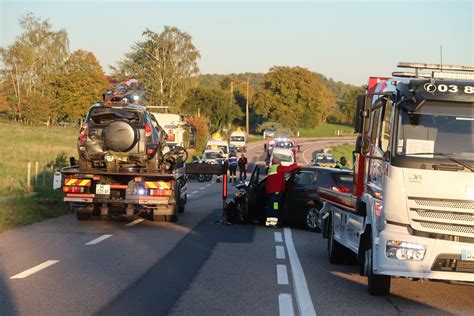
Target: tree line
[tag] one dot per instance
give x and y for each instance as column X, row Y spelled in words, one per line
column 41, row 80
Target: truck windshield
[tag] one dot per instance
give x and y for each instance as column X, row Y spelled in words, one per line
column 439, row 127
column 237, row 138
column 283, row 157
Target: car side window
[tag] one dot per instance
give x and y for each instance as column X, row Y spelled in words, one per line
column 304, row 178
column 384, row 141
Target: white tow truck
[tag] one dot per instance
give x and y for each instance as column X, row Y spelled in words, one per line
column 411, row 212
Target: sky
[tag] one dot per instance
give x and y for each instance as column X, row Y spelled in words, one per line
column 344, row 40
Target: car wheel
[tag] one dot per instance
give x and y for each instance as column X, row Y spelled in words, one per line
column 311, row 222
column 208, row 177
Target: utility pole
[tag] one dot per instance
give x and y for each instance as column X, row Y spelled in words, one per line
column 232, row 88
column 247, row 108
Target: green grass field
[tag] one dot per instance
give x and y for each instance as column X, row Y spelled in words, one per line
column 19, row 145
column 327, row 130
column 343, row 151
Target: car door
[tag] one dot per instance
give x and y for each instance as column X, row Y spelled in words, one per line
column 252, row 189
column 297, row 195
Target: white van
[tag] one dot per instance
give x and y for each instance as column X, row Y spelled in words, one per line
column 238, row 139
column 286, row 156
column 218, row 145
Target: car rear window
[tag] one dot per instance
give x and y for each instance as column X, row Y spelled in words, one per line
column 343, row 178
column 107, row 115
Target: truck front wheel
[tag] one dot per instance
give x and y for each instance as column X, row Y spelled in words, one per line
column 378, row 284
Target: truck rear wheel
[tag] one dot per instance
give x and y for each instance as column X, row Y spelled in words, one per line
column 336, row 252
column 83, row 216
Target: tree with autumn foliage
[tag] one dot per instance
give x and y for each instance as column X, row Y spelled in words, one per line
column 201, row 124
column 294, row 97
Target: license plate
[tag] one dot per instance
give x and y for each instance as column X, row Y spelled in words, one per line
column 467, row 255
column 103, row 189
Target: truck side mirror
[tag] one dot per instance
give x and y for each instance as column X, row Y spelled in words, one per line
column 359, row 113
column 358, row 144
column 264, row 146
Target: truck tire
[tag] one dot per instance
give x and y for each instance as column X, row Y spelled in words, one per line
column 207, row 177
column 201, row 177
column 83, row 216
column 171, row 218
column 336, row 252
column 378, row 284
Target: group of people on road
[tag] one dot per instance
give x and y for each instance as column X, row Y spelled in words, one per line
column 233, row 164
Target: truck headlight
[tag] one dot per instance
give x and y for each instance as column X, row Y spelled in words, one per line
column 403, row 250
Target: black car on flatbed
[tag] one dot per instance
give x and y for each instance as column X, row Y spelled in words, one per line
column 119, row 136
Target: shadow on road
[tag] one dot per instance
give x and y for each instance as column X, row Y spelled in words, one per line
column 160, row 287
column 7, row 302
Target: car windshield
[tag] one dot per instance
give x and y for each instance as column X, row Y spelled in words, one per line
column 283, row 157
column 218, row 147
column 210, row 155
column 324, row 159
column 105, row 115
column 284, row 144
column 439, row 127
column 237, row 138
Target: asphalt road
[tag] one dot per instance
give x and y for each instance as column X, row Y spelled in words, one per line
column 195, row 267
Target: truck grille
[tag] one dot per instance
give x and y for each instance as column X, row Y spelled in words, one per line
column 452, row 263
column 453, row 217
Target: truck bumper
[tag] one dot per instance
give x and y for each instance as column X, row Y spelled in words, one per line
column 432, row 266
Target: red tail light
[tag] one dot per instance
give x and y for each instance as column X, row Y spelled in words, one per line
column 340, row 188
column 148, row 130
column 150, row 151
column 70, row 189
column 171, row 137
column 83, row 133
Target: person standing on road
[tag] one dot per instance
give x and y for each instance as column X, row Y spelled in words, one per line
column 232, row 168
column 342, row 164
column 274, row 189
column 219, row 161
column 243, row 168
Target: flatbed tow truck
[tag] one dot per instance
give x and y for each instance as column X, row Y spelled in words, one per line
column 411, row 212
column 157, row 196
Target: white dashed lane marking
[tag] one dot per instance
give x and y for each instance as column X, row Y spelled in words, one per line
column 303, row 298
column 135, row 222
column 278, row 237
column 202, row 188
column 98, row 240
column 194, row 192
column 282, row 274
column 280, row 252
column 285, row 303
column 35, row 269
column 208, row 185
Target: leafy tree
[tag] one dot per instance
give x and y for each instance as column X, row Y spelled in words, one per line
column 294, row 97
column 201, row 124
column 79, row 85
column 215, row 103
column 166, row 63
column 344, row 112
column 31, row 63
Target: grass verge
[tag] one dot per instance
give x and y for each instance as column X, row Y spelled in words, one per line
column 343, row 151
column 327, row 130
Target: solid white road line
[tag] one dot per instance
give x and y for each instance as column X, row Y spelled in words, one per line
column 35, row 269
column 135, row 222
column 285, row 303
column 278, row 237
column 282, row 274
column 303, row 298
column 280, row 252
column 98, row 240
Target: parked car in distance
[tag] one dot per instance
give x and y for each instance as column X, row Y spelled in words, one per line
column 269, row 132
column 301, row 203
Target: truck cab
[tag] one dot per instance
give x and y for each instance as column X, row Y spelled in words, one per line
column 239, row 139
column 412, row 207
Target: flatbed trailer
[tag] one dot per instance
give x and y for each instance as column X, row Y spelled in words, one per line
column 159, row 196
